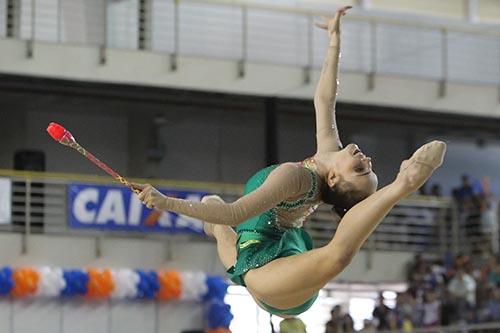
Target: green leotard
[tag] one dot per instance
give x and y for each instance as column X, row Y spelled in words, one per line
column 261, row 239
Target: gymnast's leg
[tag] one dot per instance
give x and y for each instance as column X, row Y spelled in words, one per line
column 288, row 282
column 224, row 235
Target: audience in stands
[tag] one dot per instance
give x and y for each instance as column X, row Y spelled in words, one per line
column 452, row 291
column 339, row 322
column 439, row 294
column 464, row 292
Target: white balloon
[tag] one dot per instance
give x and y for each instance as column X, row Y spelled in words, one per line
column 193, row 286
column 125, row 281
column 50, row 283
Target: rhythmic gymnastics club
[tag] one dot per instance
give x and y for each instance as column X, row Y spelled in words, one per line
column 64, row 137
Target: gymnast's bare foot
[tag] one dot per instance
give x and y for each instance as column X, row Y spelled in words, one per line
column 415, row 171
column 208, row 228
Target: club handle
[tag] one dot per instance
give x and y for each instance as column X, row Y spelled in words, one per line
column 75, row 145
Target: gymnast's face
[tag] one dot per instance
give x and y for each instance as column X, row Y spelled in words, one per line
column 355, row 167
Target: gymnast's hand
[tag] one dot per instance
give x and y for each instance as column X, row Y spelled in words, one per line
column 151, row 197
column 332, row 24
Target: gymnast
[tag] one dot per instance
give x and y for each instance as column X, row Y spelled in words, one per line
column 270, row 253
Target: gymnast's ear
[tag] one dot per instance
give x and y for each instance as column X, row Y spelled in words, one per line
column 333, row 178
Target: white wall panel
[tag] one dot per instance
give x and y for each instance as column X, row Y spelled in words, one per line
column 3, row 18
column 133, row 316
column 36, row 315
column 6, row 308
column 162, row 26
column 210, row 31
column 123, row 24
column 475, row 58
column 278, row 38
column 85, row 316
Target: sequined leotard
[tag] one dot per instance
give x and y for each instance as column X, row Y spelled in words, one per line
column 274, row 234
column 271, row 213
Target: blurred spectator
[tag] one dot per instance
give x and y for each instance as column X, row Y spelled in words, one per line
column 494, row 273
column 405, row 308
column 485, row 264
column 486, row 206
column 392, row 321
column 463, row 286
column 407, row 325
column 423, row 190
column 335, row 324
column 463, row 290
column 493, row 305
column 348, row 323
column 381, row 313
column 449, row 310
column 464, row 193
column 462, row 262
column 431, row 310
column 368, row 327
column 433, row 277
column 292, row 325
column 436, row 190
column 416, row 271
column 484, row 261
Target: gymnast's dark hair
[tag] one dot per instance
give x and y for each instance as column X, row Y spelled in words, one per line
column 343, row 196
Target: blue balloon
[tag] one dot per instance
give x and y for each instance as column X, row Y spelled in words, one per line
column 216, row 288
column 6, row 281
column 219, row 315
column 148, row 284
column 76, row 283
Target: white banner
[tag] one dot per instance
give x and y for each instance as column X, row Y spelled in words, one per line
column 5, row 200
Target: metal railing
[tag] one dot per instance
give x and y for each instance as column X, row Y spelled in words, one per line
column 471, row 328
column 246, row 32
column 419, row 224
column 416, row 224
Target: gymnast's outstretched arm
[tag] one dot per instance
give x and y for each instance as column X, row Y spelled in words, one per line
column 327, row 136
column 283, row 183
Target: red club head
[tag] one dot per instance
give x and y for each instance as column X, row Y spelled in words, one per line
column 60, row 134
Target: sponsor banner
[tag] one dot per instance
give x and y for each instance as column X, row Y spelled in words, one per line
column 118, row 208
column 5, row 201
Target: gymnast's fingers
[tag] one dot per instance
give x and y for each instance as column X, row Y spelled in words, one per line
column 341, row 12
column 144, row 194
column 321, row 25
